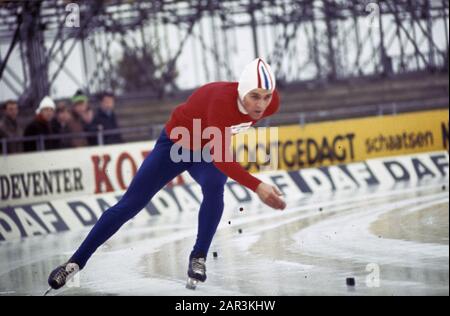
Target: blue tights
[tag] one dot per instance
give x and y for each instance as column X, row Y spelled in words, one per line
column 156, row 171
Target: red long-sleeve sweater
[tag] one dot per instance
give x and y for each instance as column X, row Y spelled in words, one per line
column 216, row 105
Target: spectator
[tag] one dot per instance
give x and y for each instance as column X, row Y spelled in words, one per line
column 41, row 125
column 9, row 127
column 60, row 125
column 90, row 127
column 77, row 124
column 106, row 118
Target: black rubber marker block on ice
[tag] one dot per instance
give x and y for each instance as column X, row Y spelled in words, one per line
column 240, row 231
column 215, row 254
column 350, row 281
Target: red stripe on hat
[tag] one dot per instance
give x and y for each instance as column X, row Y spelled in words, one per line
column 268, row 73
column 259, row 76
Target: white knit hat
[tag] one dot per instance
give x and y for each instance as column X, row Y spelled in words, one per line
column 257, row 74
column 46, row 102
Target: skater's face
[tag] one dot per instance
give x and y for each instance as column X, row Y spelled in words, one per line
column 256, row 102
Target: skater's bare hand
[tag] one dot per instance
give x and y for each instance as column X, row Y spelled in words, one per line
column 270, row 195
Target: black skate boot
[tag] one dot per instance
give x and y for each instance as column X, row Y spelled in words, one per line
column 196, row 272
column 62, row 274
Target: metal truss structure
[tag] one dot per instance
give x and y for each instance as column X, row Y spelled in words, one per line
column 302, row 39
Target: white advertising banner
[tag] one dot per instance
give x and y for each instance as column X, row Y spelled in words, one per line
column 45, row 176
column 82, row 194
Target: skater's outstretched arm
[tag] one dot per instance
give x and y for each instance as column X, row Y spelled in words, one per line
column 268, row 194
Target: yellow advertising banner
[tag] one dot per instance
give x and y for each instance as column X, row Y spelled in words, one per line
column 344, row 141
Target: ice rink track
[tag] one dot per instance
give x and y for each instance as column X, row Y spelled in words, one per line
column 392, row 242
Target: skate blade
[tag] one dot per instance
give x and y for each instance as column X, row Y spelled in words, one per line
column 48, row 291
column 191, row 284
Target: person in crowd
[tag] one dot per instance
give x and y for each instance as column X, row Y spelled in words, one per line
column 78, row 122
column 41, row 125
column 9, row 126
column 60, row 125
column 105, row 118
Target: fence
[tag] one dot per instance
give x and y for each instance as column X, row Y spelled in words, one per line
column 151, row 132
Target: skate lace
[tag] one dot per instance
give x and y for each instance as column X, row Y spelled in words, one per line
column 198, row 265
column 63, row 273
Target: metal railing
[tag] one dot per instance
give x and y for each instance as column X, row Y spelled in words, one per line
column 40, row 141
column 301, row 118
